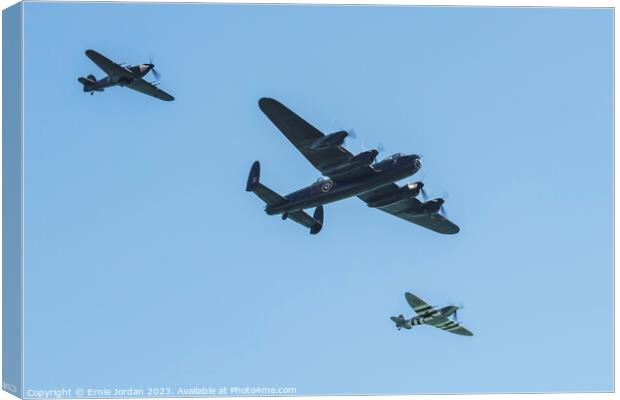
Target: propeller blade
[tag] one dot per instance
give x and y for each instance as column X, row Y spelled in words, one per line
column 456, row 317
column 424, row 194
column 156, row 74
column 351, row 134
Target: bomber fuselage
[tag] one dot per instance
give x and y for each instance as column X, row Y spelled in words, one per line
column 330, row 190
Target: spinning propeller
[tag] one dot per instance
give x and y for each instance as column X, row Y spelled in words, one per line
column 424, row 194
column 442, row 209
column 443, row 198
column 459, row 307
column 422, row 191
column 156, row 74
column 352, row 134
column 380, row 147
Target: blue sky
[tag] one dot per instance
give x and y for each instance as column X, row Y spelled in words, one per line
column 147, row 264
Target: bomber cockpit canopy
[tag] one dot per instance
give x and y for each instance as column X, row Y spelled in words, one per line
column 394, row 156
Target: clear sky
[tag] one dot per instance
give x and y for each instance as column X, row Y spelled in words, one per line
column 147, row 264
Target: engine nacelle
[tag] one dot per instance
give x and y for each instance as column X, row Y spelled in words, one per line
column 405, row 192
column 429, row 207
column 362, row 159
column 328, row 141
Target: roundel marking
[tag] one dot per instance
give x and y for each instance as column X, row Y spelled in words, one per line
column 327, row 186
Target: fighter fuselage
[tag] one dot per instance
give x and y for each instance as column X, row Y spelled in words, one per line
column 444, row 312
column 137, row 72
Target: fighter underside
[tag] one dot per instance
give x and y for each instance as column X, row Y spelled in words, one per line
column 122, row 75
column 428, row 315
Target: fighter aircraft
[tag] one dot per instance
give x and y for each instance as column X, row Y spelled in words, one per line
column 118, row 75
column 349, row 175
column 430, row 316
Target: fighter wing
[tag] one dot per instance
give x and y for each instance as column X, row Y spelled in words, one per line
column 420, row 306
column 302, row 135
column 435, row 221
column 145, row 87
column 450, row 326
column 108, row 66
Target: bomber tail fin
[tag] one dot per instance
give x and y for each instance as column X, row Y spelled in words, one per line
column 253, row 178
column 318, row 221
column 263, row 192
column 272, row 198
column 315, row 223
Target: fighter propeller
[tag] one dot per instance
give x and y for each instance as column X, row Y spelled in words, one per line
column 459, row 307
column 156, row 74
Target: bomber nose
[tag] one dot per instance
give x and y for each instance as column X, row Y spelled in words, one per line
column 417, row 161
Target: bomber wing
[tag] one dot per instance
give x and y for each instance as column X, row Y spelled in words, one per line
column 302, row 135
column 450, row 326
column 435, row 222
column 145, row 87
column 108, row 66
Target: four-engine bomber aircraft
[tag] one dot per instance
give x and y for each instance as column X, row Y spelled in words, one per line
column 349, row 175
column 118, row 75
column 430, row 316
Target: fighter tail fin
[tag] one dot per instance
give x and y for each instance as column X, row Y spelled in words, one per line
column 87, row 82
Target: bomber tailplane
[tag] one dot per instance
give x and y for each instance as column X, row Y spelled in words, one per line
column 271, row 198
